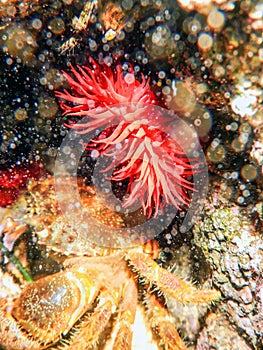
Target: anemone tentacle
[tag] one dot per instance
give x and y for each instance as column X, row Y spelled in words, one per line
column 157, row 167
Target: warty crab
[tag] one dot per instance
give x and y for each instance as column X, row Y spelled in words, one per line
column 94, row 301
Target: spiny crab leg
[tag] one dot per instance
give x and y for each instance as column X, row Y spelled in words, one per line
column 87, row 333
column 168, row 283
column 162, row 323
column 123, row 329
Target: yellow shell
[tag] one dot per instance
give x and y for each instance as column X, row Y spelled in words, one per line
column 50, row 306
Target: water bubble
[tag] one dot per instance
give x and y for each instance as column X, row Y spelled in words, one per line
column 205, row 42
column 21, row 114
column 129, row 78
column 36, row 23
column 249, row 172
column 161, row 74
column 216, row 154
column 47, row 107
column 216, row 19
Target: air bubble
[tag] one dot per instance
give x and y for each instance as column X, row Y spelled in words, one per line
column 217, row 154
column 240, row 200
column 249, row 172
column 129, row 78
column 216, row 19
column 205, row 42
column 161, row 74
column 21, row 114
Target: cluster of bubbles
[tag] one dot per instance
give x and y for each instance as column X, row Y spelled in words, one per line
column 182, row 97
column 193, row 49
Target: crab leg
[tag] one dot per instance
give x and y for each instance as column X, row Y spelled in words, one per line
column 162, row 323
column 168, row 283
column 86, row 335
column 123, row 328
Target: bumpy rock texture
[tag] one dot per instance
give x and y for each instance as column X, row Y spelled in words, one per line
column 218, row 334
column 234, row 250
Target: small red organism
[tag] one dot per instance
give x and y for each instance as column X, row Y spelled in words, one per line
column 120, row 106
column 98, row 87
column 12, row 180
